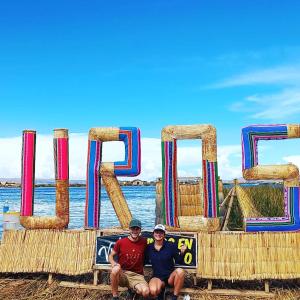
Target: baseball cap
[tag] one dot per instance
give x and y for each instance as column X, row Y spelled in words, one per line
column 135, row 223
column 160, row 227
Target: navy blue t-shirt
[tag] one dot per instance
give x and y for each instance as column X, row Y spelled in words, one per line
column 163, row 261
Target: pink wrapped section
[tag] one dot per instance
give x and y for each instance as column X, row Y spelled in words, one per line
column 61, row 158
column 28, row 172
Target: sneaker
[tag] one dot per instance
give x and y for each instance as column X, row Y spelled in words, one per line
column 131, row 295
column 174, row 297
column 162, row 294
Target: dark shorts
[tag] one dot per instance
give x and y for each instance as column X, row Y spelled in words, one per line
column 163, row 279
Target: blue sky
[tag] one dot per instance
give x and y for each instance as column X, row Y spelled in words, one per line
column 83, row 64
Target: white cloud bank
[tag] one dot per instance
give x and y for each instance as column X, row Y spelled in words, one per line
column 289, row 75
column 277, row 106
column 189, row 158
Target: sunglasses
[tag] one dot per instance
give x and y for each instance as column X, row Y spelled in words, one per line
column 159, row 231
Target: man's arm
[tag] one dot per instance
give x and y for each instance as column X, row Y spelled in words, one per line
column 111, row 258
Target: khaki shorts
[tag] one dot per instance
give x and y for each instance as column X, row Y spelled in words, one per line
column 131, row 279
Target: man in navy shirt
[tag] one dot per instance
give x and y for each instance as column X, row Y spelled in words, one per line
column 162, row 255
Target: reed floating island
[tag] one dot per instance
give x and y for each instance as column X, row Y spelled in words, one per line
column 266, row 247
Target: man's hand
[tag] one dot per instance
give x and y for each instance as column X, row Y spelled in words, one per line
column 115, row 264
column 183, row 249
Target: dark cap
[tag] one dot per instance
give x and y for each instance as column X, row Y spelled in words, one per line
column 135, row 223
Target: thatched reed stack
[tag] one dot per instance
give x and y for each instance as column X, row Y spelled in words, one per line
column 52, row 251
column 190, row 210
column 247, row 256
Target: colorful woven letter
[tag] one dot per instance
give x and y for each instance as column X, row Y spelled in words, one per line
column 61, row 163
column 131, row 165
column 170, row 197
column 250, row 137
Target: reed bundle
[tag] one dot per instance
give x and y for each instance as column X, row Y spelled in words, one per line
column 246, row 203
column 116, row 196
column 191, row 199
column 190, row 210
column 198, row 223
column 247, row 256
column 66, row 252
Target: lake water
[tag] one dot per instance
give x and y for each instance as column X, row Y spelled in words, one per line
column 140, row 199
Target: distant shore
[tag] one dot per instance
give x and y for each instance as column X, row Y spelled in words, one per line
column 139, row 182
column 136, row 182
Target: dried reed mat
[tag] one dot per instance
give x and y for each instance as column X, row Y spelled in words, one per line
column 247, row 256
column 247, row 207
column 32, row 287
column 67, row 252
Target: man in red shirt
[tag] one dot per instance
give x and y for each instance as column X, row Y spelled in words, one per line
column 129, row 269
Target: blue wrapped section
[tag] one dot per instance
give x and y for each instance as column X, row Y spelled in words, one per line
column 252, row 134
column 131, row 166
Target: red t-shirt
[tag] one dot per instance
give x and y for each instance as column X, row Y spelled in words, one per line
column 131, row 254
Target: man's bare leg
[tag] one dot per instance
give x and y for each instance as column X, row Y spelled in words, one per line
column 114, row 280
column 176, row 280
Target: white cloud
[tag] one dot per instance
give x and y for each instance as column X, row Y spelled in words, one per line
column 280, row 105
column 277, row 106
column 230, row 161
column 189, row 158
column 278, row 75
column 294, row 159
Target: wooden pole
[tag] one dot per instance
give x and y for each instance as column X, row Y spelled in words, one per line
column 50, row 278
column 209, row 285
column 96, row 273
column 227, row 197
column 267, row 286
column 224, row 227
column 195, row 279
